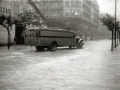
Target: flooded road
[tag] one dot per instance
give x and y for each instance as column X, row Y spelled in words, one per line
column 94, row 67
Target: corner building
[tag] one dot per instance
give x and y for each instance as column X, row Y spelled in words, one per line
column 86, row 10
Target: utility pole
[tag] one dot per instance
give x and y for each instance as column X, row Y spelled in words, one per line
column 115, row 22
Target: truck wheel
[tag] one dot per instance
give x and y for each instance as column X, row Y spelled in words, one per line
column 70, row 47
column 39, row 48
column 53, row 47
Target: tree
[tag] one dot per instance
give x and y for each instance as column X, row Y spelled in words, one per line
column 7, row 22
column 109, row 21
column 37, row 10
column 30, row 18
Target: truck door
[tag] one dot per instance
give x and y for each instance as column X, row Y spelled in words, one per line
column 30, row 38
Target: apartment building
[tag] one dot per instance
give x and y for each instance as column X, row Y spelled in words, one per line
column 50, row 8
column 86, row 10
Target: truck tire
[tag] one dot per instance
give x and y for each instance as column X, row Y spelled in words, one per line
column 70, row 47
column 39, row 48
column 53, row 47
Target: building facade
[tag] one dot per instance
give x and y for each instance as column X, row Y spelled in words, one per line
column 87, row 10
column 50, row 8
column 12, row 8
column 6, row 9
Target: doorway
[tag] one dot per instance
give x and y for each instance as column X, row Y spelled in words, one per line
column 19, row 39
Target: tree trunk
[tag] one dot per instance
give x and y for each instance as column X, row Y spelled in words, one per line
column 119, row 37
column 112, row 41
column 9, row 39
column 115, row 38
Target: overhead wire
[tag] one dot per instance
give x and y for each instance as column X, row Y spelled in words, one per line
column 106, row 3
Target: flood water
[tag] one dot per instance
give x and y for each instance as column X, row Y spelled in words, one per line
column 94, row 67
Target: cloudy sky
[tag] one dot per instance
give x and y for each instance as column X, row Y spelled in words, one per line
column 108, row 6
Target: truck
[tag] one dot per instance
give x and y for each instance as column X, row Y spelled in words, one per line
column 51, row 38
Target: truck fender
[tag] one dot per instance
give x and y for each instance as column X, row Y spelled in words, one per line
column 81, row 41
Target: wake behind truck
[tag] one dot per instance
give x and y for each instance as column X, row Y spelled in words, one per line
column 51, row 38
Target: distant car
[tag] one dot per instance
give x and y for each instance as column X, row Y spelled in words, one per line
column 52, row 38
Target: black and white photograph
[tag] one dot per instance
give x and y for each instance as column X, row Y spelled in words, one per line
column 59, row 45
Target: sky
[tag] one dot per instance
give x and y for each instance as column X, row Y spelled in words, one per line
column 108, row 6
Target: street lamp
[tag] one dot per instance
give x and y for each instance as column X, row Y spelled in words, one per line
column 115, row 22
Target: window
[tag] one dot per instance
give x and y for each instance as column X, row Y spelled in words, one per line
column 76, row 12
column 79, row 3
column 76, row 3
column 44, row 5
column 55, row 4
column 79, row 12
column 51, row 13
column 72, row 3
column 55, row 13
column 52, row 4
column 59, row 13
column 72, row 12
column 59, row 4
column 67, row 11
column 67, row 3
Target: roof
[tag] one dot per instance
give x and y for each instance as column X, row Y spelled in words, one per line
column 52, row 29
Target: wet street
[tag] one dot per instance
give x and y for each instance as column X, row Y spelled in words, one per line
column 94, row 67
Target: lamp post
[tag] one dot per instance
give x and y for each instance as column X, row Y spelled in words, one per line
column 115, row 22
